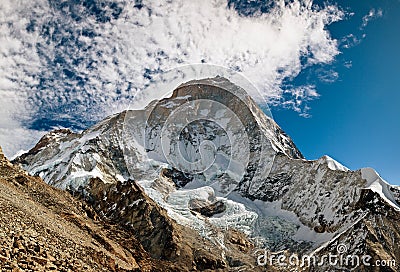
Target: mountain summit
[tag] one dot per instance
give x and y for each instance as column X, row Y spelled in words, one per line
column 212, row 159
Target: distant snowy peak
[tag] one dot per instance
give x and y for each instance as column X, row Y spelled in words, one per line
column 68, row 160
column 374, row 182
column 378, row 185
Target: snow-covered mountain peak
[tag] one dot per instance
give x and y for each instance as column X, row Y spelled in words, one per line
column 211, row 157
column 378, row 185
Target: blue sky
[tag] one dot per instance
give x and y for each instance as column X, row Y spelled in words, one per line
column 356, row 119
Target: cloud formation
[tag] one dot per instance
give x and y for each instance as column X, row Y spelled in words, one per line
column 372, row 15
column 70, row 63
column 354, row 39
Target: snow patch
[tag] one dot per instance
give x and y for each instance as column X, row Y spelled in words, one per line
column 18, row 154
column 334, row 165
column 378, row 185
column 177, row 205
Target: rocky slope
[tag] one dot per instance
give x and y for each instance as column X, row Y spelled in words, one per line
column 43, row 228
column 210, row 159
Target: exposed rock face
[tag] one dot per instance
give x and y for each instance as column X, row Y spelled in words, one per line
column 136, row 211
column 375, row 237
column 207, row 208
column 132, row 176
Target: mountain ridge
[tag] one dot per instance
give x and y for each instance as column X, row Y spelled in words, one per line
column 282, row 200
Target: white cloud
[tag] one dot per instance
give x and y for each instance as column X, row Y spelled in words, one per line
column 350, row 41
column 354, row 39
column 59, row 58
column 300, row 95
column 348, row 64
column 327, row 76
column 372, row 15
